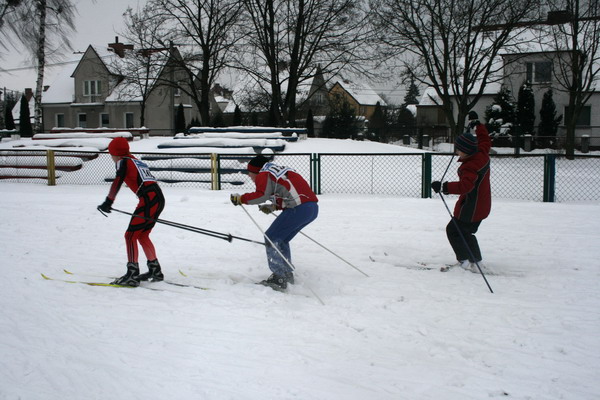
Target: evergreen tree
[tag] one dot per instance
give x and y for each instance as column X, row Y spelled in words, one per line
column 25, row 128
column 506, row 112
column 195, row 122
column 273, row 119
column 180, row 120
column 377, row 123
column 9, row 121
column 237, row 116
column 218, row 120
column 407, row 123
column 341, row 122
column 493, row 116
column 548, row 121
column 526, row 109
column 500, row 117
column 412, row 94
column 310, row 124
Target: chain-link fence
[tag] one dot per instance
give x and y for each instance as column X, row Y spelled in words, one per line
column 578, row 180
column 528, row 177
column 370, row 174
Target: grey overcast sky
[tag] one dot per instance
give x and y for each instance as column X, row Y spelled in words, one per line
column 97, row 22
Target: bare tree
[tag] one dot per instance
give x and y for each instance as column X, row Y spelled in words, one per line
column 577, row 41
column 43, row 27
column 206, row 30
column 288, row 39
column 142, row 67
column 8, row 9
column 447, row 44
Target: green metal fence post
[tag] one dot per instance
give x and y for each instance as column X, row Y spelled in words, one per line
column 426, row 176
column 315, row 172
column 549, row 177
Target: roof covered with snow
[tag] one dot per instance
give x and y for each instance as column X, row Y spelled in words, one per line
column 361, row 92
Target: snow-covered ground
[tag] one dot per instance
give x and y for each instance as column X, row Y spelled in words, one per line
column 400, row 333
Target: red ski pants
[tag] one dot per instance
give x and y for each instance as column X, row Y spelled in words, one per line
column 151, row 203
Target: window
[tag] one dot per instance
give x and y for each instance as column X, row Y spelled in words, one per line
column 585, row 116
column 104, row 120
column 92, row 89
column 59, row 120
column 128, row 120
column 319, row 98
column 538, row 72
column 82, row 120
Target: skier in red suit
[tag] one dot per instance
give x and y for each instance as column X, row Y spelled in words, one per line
column 139, row 179
column 473, row 187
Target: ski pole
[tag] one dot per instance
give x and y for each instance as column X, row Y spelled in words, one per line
column 288, row 262
column 446, row 171
column 465, row 242
column 319, row 244
column 278, row 251
column 219, row 235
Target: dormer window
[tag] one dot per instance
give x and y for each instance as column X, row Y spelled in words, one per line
column 92, row 89
column 539, row 72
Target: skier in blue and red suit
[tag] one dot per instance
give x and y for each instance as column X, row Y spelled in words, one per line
column 288, row 191
column 473, row 187
column 139, row 179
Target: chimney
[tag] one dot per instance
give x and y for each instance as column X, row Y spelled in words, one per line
column 28, row 93
column 119, row 48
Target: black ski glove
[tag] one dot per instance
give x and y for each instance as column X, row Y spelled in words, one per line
column 437, row 186
column 106, row 206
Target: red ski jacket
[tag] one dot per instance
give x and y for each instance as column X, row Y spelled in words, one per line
column 283, row 186
column 134, row 173
column 475, row 201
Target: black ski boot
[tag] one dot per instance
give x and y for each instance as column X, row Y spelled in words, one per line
column 154, row 273
column 275, row 282
column 131, row 278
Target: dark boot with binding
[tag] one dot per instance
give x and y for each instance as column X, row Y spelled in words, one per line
column 131, row 278
column 275, row 282
column 154, row 273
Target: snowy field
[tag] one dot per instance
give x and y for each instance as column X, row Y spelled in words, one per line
column 400, row 333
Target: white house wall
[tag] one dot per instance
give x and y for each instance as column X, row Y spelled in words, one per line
column 516, row 74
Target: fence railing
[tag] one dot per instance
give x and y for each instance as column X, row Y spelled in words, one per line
column 547, row 178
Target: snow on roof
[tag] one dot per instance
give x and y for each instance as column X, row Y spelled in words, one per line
column 431, row 98
column 16, row 111
column 361, row 92
column 61, row 90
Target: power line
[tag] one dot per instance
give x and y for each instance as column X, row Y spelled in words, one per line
column 33, row 67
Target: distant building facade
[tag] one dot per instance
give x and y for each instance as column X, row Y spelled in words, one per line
column 360, row 96
column 95, row 93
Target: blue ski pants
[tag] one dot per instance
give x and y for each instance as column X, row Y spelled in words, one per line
column 283, row 229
